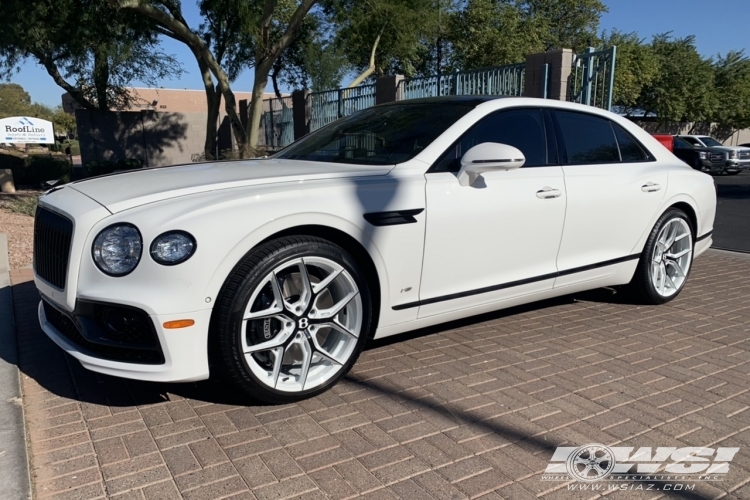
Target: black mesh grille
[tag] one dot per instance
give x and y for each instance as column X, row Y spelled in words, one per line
column 68, row 328
column 717, row 157
column 52, row 236
column 744, row 155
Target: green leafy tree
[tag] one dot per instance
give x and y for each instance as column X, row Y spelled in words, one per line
column 89, row 48
column 489, row 33
column 65, row 123
column 381, row 37
column 494, row 32
column 258, row 30
column 14, row 100
column 683, row 88
column 636, row 67
column 732, row 88
column 558, row 24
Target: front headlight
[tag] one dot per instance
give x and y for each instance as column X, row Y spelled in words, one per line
column 173, row 247
column 733, row 155
column 703, row 155
column 117, row 249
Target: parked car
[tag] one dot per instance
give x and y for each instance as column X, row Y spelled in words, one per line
column 665, row 140
column 709, row 155
column 404, row 215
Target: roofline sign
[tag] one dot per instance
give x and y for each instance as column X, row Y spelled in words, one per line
column 25, row 130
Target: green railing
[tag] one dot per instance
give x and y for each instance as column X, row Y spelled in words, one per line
column 501, row 80
column 330, row 105
column 277, row 122
column 593, row 77
column 591, row 83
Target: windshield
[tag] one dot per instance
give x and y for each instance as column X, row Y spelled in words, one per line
column 382, row 135
column 693, row 141
column 710, row 141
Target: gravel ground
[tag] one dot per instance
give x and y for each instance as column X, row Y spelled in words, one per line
column 20, row 231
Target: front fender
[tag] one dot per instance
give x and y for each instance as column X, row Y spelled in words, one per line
column 289, row 222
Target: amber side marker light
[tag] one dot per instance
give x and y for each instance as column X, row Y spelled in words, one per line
column 179, row 323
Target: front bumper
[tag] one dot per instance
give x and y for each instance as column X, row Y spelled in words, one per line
column 185, row 350
column 737, row 165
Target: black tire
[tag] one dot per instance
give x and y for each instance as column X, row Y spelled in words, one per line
column 641, row 287
column 227, row 356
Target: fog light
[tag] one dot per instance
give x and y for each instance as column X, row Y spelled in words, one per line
column 173, row 247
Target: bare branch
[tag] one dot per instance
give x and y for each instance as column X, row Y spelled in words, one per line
column 371, row 68
column 54, row 72
column 292, row 28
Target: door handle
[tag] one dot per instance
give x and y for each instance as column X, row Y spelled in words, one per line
column 547, row 193
column 650, row 187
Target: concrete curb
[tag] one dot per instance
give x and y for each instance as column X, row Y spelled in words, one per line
column 14, row 461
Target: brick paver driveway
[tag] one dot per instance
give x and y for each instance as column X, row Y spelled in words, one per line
column 467, row 410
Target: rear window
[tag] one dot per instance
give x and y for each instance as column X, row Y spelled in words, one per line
column 630, row 150
column 588, row 139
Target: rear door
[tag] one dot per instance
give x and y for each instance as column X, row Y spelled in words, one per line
column 614, row 188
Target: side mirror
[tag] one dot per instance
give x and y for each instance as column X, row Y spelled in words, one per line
column 487, row 157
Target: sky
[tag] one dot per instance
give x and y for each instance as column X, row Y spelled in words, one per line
column 719, row 26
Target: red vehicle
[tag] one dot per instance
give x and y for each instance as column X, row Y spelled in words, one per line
column 666, row 140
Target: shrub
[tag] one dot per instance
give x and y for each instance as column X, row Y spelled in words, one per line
column 40, row 169
column 72, row 147
column 34, row 170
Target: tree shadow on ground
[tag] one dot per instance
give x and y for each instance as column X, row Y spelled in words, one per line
column 62, row 375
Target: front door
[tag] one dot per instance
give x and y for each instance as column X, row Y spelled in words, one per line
column 499, row 237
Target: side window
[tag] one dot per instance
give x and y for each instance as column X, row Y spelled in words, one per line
column 521, row 128
column 588, row 139
column 680, row 143
column 630, row 150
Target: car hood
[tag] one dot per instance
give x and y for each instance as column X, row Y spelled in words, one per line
column 121, row 191
column 726, row 148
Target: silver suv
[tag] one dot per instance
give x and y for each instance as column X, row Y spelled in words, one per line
column 732, row 158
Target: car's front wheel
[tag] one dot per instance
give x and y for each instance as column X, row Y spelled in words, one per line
column 666, row 259
column 292, row 319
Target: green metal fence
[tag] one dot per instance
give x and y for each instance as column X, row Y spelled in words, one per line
column 330, row 105
column 593, row 78
column 500, row 80
column 277, row 122
column 591, row 82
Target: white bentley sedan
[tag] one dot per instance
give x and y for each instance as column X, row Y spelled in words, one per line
column 275, row 272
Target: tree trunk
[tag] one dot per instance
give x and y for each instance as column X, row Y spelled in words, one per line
column 230, row 106
column 256, row 108
column 213, row 102
column 101, row 77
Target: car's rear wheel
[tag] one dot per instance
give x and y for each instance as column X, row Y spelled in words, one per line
column 292, row 319
column 666, row 259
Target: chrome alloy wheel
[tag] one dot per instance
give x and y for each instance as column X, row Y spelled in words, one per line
column 672, row 257
column 592, row 462
column 301, row 324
